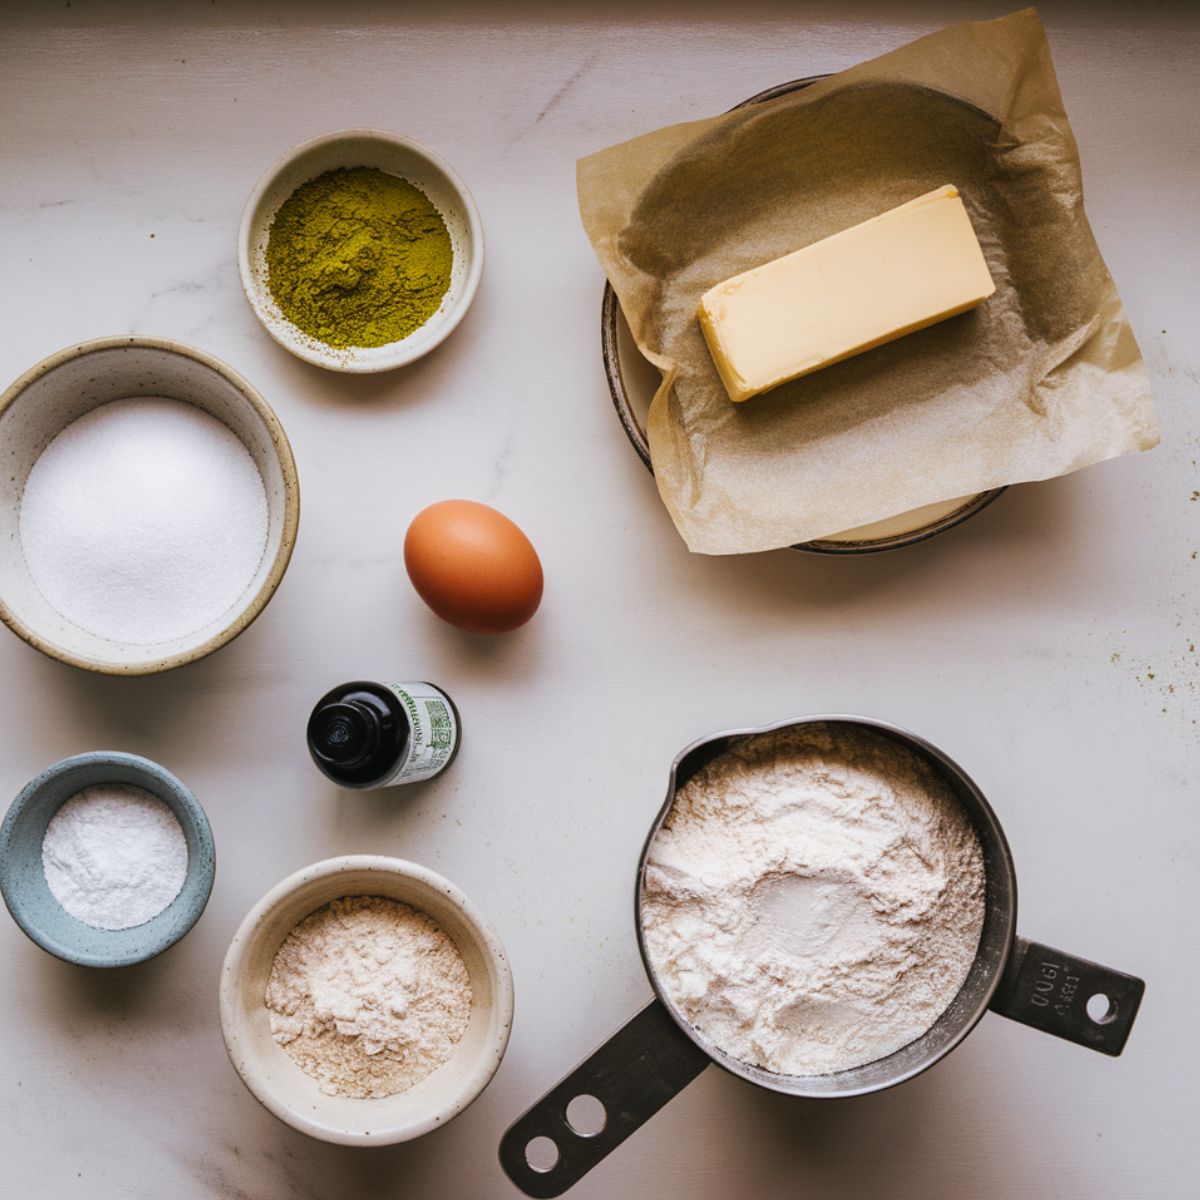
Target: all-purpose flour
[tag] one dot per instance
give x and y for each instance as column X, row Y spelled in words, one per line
column 368, row 996
column 814, row 899
column 144, row 520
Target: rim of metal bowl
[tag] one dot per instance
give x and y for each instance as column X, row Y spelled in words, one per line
column 634, row 431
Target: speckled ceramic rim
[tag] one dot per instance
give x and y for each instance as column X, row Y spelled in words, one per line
column 291, row 507
column 474, row 1081
column 167, row 787
column 330, row 358
column 609, row 312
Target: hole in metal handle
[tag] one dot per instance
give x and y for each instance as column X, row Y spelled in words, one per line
column 586, row 1116
column 541, row 1153
column 1101, row 1009
column 609, row 1096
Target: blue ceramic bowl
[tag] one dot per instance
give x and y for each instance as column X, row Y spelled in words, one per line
column 23, row 882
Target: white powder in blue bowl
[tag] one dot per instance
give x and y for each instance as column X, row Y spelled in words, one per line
column 115, row 856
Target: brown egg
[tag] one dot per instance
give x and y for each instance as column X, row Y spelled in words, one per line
column 473, row 566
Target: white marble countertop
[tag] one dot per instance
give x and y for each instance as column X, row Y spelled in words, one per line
column 1048, row 645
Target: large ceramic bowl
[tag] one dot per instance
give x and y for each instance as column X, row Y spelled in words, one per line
column 65, row 386
column 280, row 1085
column 23, row 880
column 394, row 155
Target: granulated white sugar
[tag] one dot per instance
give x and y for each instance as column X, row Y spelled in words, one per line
column 144, row 521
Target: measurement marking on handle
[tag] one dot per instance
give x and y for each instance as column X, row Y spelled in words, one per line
column 1054, row 987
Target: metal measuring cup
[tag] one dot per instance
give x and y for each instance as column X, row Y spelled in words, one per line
column 658, row 1053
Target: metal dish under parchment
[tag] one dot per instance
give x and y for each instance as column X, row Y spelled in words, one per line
column 621, row 359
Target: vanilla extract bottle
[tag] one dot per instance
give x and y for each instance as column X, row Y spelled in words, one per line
column 369, row 735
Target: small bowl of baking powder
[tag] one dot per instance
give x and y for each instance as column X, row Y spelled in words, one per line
column 106, row 859
column 365, row 1001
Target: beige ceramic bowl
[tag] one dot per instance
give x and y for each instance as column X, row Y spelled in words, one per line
column 293, row 1096
column 397, row 156
column 61, row 389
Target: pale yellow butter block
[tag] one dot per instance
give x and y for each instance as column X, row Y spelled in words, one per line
column 907, row 268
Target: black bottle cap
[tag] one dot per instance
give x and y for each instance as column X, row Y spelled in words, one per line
column 345, row 733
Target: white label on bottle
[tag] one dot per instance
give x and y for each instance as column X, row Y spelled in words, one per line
column 432, row 729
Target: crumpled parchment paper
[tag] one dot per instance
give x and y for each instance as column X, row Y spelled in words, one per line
column 1044, row 378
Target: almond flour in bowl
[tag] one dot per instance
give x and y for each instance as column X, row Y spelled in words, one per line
column 368, row 996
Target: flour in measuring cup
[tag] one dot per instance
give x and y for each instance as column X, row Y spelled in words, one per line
column 814, row 899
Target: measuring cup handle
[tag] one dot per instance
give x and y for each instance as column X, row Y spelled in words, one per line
column 647, row 1062
column 1072, row 998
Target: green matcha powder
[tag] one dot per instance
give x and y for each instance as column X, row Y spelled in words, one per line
column 357, row 257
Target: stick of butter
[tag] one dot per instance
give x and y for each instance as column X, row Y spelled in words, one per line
column 907, row 268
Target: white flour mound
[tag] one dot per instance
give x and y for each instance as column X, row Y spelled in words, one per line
column 368, row 996
column 814, row 899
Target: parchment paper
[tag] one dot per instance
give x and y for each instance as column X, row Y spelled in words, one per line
column 1042, row 379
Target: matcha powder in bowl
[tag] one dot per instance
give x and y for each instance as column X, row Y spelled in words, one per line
column 358, row 258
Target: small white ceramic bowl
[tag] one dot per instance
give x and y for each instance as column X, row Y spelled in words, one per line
column 59, row 390
column 294, row 1097
column 397, row 156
